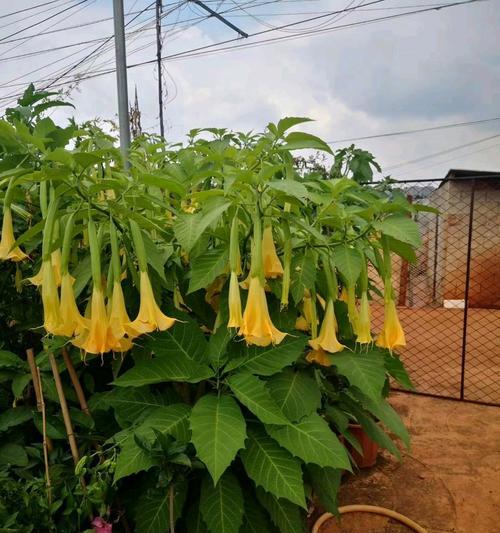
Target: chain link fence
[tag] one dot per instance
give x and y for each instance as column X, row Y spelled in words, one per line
column 449, row 298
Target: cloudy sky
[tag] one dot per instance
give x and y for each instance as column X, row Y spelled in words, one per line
column 359, row 72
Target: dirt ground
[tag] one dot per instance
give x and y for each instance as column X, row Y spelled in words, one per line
column 433, row 354
column 449, row 482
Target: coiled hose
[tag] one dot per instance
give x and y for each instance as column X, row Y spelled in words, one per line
column 369, row 509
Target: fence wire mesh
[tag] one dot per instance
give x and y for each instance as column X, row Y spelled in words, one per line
column 449, row 298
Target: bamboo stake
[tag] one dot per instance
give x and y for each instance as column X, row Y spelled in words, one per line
column 37, row 387
column 64, row 408
column 45, row 443
column 76, row 382
column 171, row 508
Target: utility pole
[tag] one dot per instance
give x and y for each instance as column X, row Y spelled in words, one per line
column 121, row 77
column 159, row 48
column 220, row 17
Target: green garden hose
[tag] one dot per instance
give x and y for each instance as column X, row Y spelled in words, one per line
column 369, row 509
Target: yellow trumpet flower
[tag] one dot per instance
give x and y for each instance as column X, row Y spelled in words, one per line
column 392, row 334
column 364, row 335
column 50, row 298
column 55, row 260
column 320, row 357
column 272, row 265
column 212, row 295
column 72, row 322
column 257, row 327
column 118, row 320
column 327, row 338
column 94, row 340
column 343, row 297
column 150, row 316
column 303, row 322
column 8, row 239
column 235, row 316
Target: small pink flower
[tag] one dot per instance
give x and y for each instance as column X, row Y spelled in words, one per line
column 101, row 526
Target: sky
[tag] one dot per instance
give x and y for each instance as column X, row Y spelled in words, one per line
column 356, row 76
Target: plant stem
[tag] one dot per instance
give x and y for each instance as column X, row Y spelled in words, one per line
column 64, row 408
column 45, row 443
column 171, row 507
column 37, row 387
column 76, row 382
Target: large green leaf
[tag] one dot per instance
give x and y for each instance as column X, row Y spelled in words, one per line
column 349, row 261
column 207, row 267
column 217, row 346
column 256, row 519
column 325, row 483
column 272, row 467
column 254, row 395
column 163, row 182
column 289, row 187
column 10, row 360
column 184, row 340
column 365, row 371
column 219, row 431
column 303, row 274
column 289, row 122
column 188, row 228
column 285, row 515
column 402, row 228
column 296, row 393
column 267, row 361
column 194, row 520
column 132, row 459
column 14, row 417
column 298, row 140
column 313, row 441
column 162, row 369
column 396, row 369
column 152, row 509
column 169, row 420
column 222, row 506
column 13, row 454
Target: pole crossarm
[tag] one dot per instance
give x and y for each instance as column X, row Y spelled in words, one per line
column 220, row 17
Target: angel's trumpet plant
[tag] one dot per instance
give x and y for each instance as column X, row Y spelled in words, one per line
column 150, row 316
column 257, row 327
column 7, row 252
column 234, row 300
column 271, row 262
column 364, row 335
column 304, row 321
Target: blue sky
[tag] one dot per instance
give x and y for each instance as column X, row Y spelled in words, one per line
column 417, row 71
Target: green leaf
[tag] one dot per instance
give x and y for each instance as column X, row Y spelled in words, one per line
column 401, row 228
column 188, row 228
column 286, row 516
column 217, row 347
column 366, row 371
column 267, row 361
column 152, row 510
column 219, row 431
column 14, row 417
column 289, row 187
column 349, row 261
column 13, row 454
column 296, row 393
column 256, row 519
column 194, row 520
column 169, row 420
column 254, row 395
column 185, row 339
column 10, row 360
column 163, row 369
column 303, row 276
column 325, row 483
column 207, row 267
column 132, row 459
column 289, row 122
column 313, row 441
column 299, row 140
column 153, row 256
column 406, row 251
column 222, row 506
column 396, row 369
column 162, row 182
column 19, row 383
column 272, row 467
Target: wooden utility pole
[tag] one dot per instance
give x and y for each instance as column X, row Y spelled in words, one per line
column 159, row 48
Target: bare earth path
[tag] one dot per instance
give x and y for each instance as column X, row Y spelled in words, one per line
column 449, row 481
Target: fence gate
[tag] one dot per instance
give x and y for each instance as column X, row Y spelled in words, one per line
column 449, row 299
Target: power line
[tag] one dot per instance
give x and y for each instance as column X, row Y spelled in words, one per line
column 410, row 132
column 43, row 4
column 442, row 152
column 54, row 15
column 216, row 47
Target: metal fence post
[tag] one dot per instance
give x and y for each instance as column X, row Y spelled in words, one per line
column 467, row 287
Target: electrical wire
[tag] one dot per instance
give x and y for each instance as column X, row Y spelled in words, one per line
column 43, row 4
